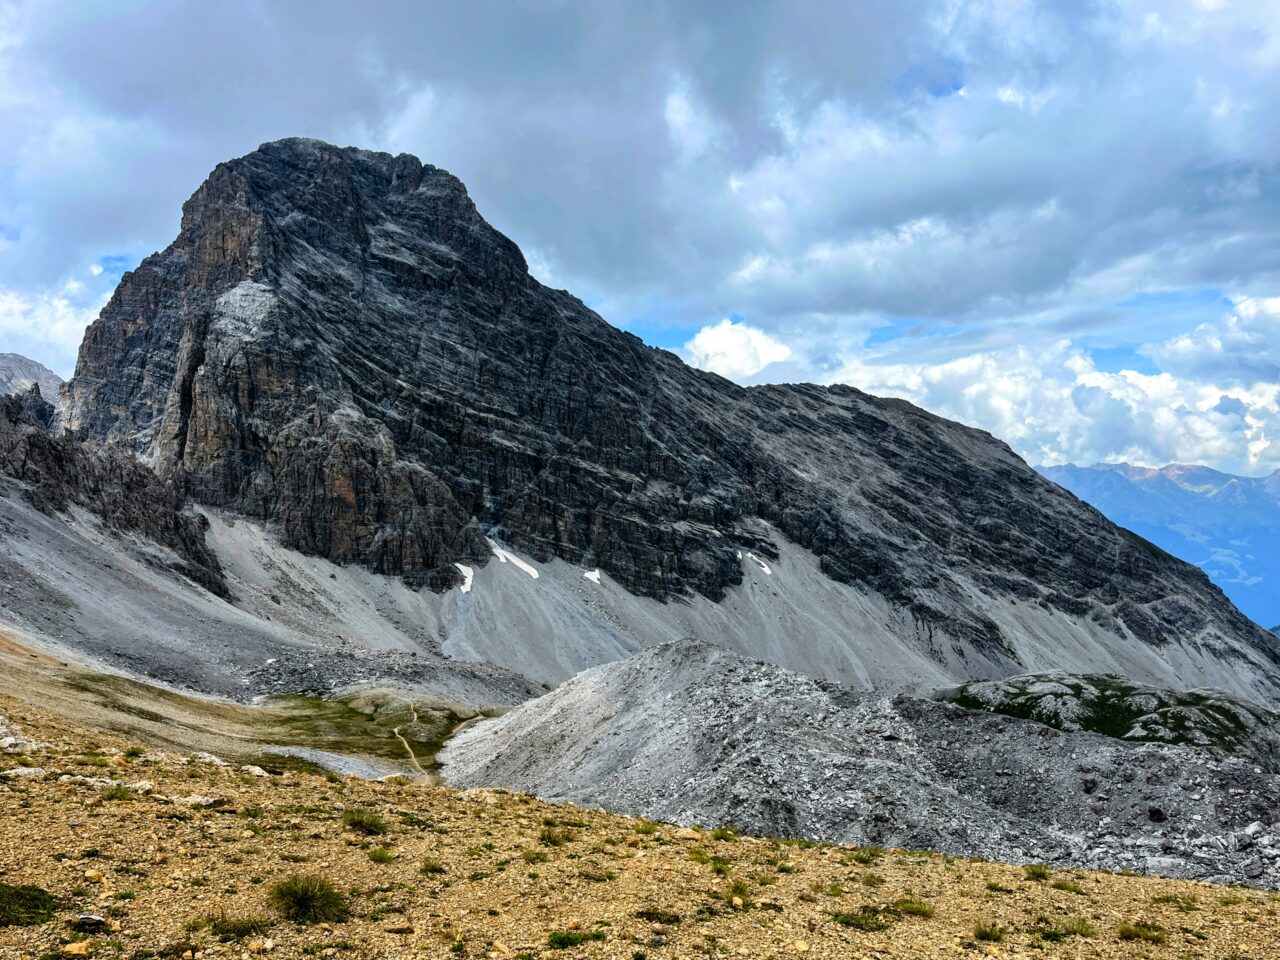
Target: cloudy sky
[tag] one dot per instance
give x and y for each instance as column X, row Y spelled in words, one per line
column 1059, row 220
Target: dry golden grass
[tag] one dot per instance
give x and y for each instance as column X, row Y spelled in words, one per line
column 473, row 874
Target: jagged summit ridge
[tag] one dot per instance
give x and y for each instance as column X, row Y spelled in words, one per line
column 339, row 345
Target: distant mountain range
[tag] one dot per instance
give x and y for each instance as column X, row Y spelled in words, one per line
column 18, row 373
column 1228, row 526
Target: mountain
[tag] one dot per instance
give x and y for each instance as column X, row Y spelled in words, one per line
column 691, row 733
column 339, row 348
column 18, row 374
column 1227, row 525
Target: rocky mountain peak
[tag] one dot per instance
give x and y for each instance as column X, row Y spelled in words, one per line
column 339, row 346
column 18, row 374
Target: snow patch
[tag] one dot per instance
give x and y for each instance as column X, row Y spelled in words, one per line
column 506, row 557
column 468, row 575
column 592, row 575
column 761, row 564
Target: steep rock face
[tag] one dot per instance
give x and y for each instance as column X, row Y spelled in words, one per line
column 337, row 343
column 124, row 494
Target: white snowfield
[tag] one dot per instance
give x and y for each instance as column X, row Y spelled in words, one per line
column 505, row 556
column 468, row 576
column 72, row 583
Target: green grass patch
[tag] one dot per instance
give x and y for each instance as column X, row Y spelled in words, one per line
column 563, row 939
column 25, row 906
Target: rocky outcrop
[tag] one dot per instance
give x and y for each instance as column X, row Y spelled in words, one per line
column 36, row 407
column 59, row 473
column 338, row 344
column 1118, row 707
column 691, row 733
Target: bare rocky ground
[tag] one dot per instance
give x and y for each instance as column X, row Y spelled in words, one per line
column 150, row 854
column 692, row 733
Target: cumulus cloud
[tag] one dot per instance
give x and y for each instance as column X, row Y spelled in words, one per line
column 1053, row 404
column 1243, row 348
column 49, row 325
column 733, row 349
column 990, row 181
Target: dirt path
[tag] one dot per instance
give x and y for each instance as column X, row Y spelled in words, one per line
column 413, row 759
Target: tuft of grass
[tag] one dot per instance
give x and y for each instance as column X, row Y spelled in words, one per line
column 1062, row 883
column 382, row 855
column 227, row 928
column 551, row 837
column 534, row 856
column 989, row 933
column 432, row 867
column 1036, row 871
column 646, row 828
column 719, row 865
column 118, row 792
column 365, row 821
column 308, row 899
column 1184, row 903
column 911, row 907
column 654, row 915
column 562, row 939
column 866, row 855
column 724, row 833
column 872, row 880
column 868, row 918
column 1071, row 927
column 998, row 887
column 25, row 906
column 1143, row 931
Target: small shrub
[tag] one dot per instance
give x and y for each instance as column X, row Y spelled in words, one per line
column 1143, row 931
column 989, row 933
column 1036, row 871
column 382, row 855
column 133, row 753
column 365, row 821
column 913, row 908
column 308, row 899
column 562, row 939
column 25, row 906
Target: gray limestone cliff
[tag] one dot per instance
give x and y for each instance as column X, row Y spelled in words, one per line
column 339, row 345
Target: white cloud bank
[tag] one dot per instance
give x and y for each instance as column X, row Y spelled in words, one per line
column 735, row 350
column 1215, row 398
